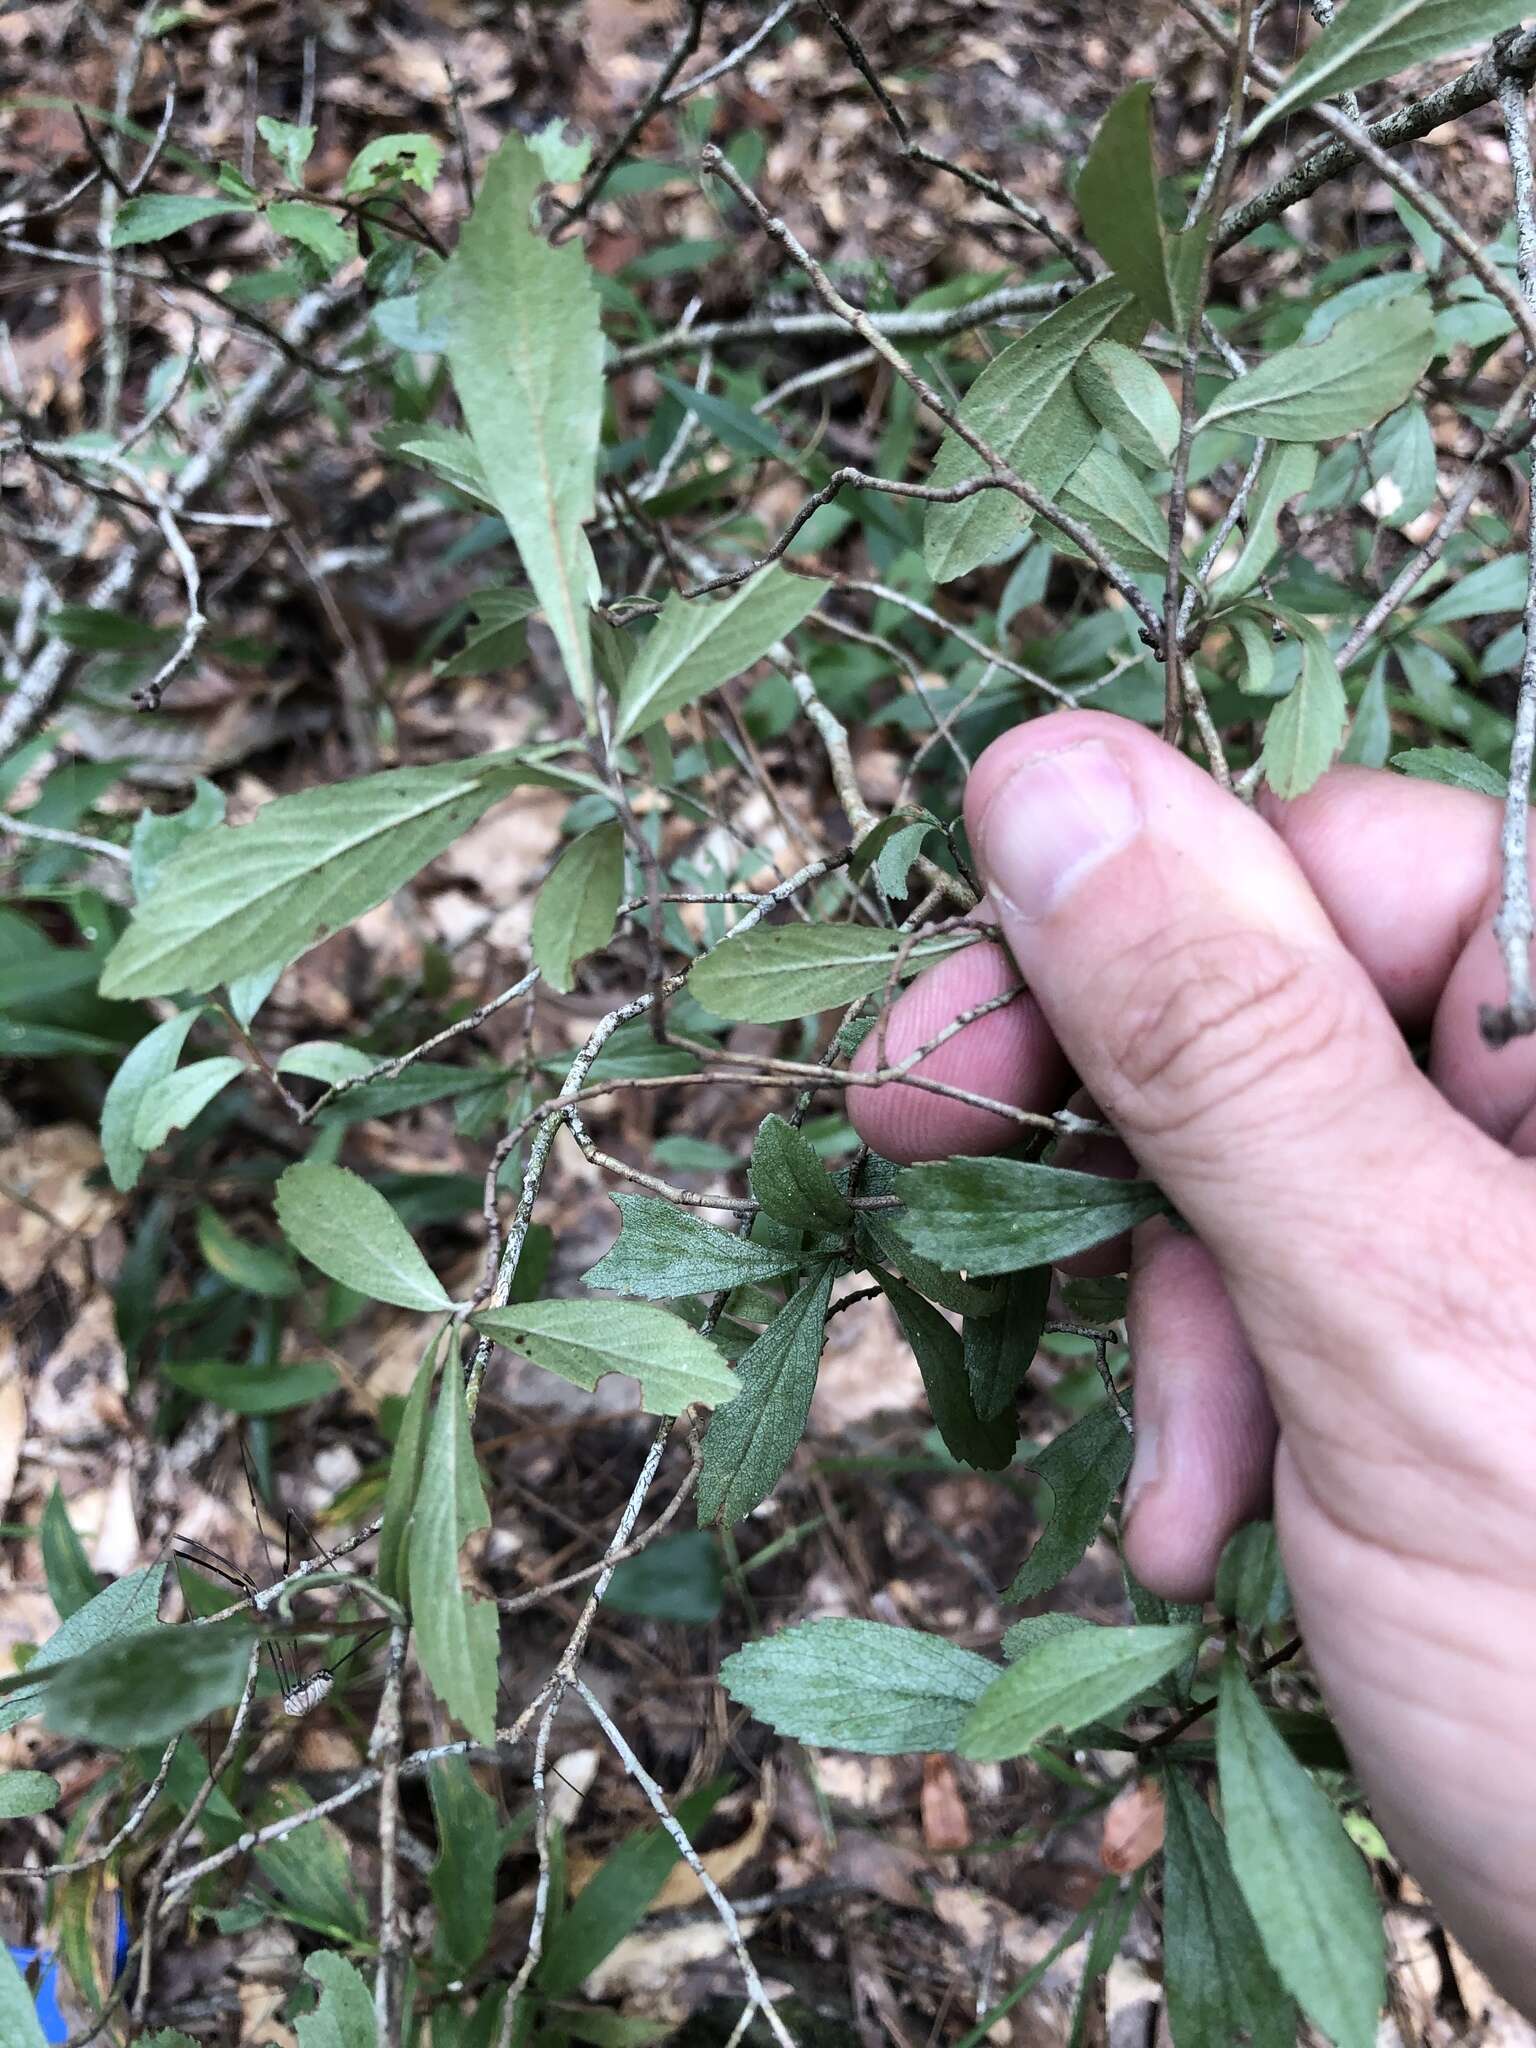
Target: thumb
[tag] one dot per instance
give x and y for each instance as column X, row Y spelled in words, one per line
column 1198, row 988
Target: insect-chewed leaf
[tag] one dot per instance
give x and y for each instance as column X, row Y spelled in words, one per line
column 234, row 899
column 1303, row 1879
column 347, row 1229
column 1370, row 39
column 525, row 345
column 663, row 1251
column 578, row 903
column 583, row 1340
column 1219, row 1985
column 344, row 2016
column 125, row 1607
column 750, row 1442
column 1000, row 1215
column 797, row 970
column 1364, row 369
column 698, row 643
column 1068, row 1680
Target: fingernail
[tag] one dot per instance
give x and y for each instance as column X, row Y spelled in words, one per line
column 1144, row 1470
column 1053, row 822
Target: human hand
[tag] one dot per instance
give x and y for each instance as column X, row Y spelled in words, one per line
column 1233, row 990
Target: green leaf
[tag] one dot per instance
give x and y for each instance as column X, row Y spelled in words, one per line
column 1365, row 368
column 1255, row 636
column 878, row 1234
column 1402, row 459
column 442, row 450
column 1113, row 503
column 71, row 1582
column 1025, row 406
column 1084, row 1467
column 616, row 1897
column 499, row 638
column 257, row 1268
column 771, row 975
column 463, row 1879
column 699, row 643
column 1371, row 39
column 1452, row 766
column 20, row 2026
column 1370, row 730
column 751, row 1442
column 1000, row 1346
column 1001, row 1215
column 157, row 835
column 346, row 1228
column 406, row 159
column 1250, row 1579
column 23, row 1793
column 1306, row 728
column 940, row 1359
column 679, row 1579
column 149, row 1062
column 344, row 2016
column 1035, row 1629
column 583, row 1340
column 1117, row 198
column 663, row 1250
column 564, row 161
column 176, row 1100
column 125, row 1607
column 410, row 1448
column 153, row 215
column 252, row 1389
column 1497, row 586
column 290, row 145
column 1287, row 471
column 237, row 898
column 319, row 1059
column 525, row 346
column 315, row 229
column 1069, row 1680
column 456, row 1634
column 578, row 904
column 1302, row 1878
column 1130, row 401
column 860, row 1685
column 1217, row 1980
column 788, row 1179
column 147, row 1687
column 310, row 1867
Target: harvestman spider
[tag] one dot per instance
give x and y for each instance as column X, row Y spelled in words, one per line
column 300, row 1696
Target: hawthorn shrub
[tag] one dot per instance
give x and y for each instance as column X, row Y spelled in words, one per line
column 1170, row 461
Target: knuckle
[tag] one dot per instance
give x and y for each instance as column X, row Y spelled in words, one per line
column 1213, row 1021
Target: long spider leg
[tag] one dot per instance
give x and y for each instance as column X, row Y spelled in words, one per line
column 373, row 1637
column 199, row 1554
